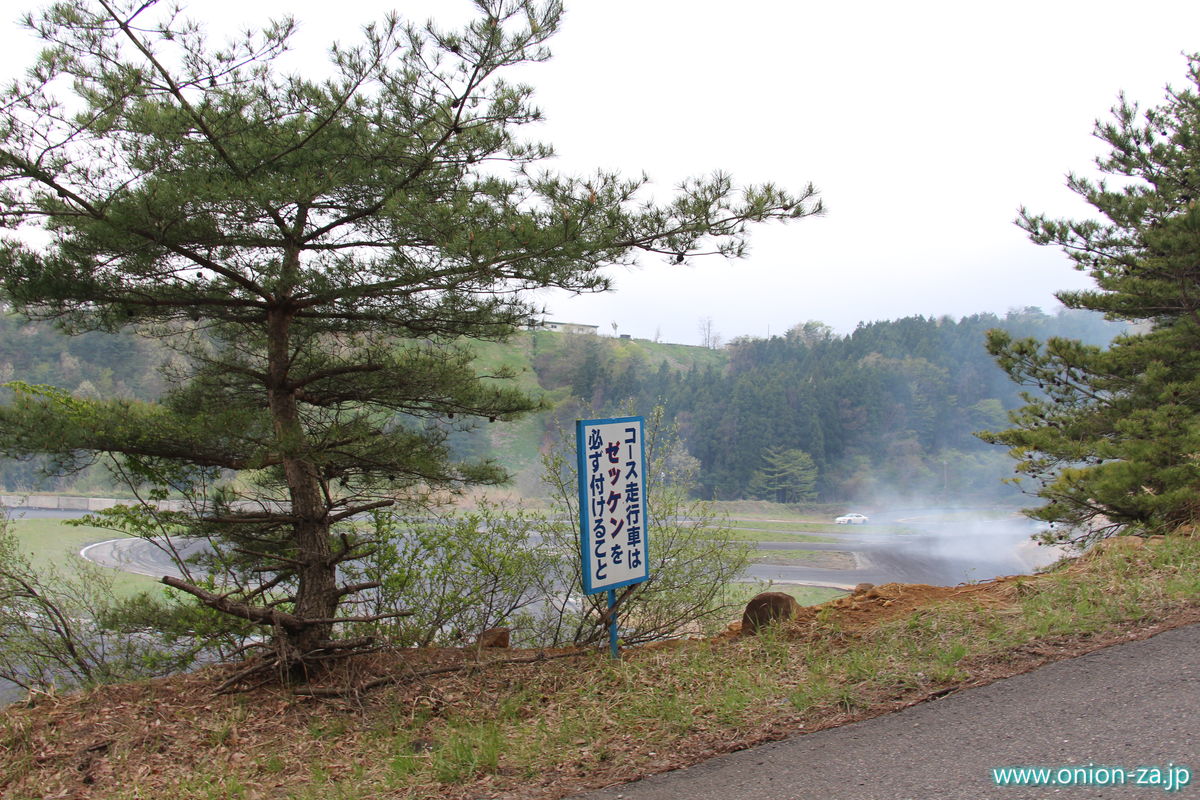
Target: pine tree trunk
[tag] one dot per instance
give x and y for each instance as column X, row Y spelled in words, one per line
column 316, row 594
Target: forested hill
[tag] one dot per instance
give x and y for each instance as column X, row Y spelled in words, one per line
column 889, row 409
column 90, row 364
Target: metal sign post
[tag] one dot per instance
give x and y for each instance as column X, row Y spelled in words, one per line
column 613, row 545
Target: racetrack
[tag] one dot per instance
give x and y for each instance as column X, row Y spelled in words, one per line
column 136, row 555
column 942, row 553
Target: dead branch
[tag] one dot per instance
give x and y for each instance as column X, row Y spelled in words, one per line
column 265, row 518
column 247, row 647
column 245, row 672
column 269, row 585
column 350, row 512
column 348, row 555
column 346, row 644
column 607, row 613
column 259, row 614
column 351, row 588
column 255, row 554
column 371, row 618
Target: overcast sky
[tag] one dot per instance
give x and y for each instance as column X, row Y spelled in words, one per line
column 925, row 125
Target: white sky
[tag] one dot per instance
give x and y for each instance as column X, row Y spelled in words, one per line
column 924, row 124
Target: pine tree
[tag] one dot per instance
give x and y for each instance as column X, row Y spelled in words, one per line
column 314, row 251
column 1112, row 436
column 788, row 476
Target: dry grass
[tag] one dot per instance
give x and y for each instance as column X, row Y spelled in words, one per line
column 576, row 720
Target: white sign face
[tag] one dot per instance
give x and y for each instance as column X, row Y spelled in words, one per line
column 612, row 503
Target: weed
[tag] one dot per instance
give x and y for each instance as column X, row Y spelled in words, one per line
column 16, row 749
column 516, row 706
column 208, row 786
column 858, row 664
column 810, row 695
column 954, row 653
column 272, row 765
column 846, row 698
column 329, row 728
column 318, row 774
column 675, row 713
column 469, row 751
column 731, row 704
column 222, row 729
column 403, row 765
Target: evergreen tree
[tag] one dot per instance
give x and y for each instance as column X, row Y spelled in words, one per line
column 313, row 250
column 1112, row 435
column 788, row 476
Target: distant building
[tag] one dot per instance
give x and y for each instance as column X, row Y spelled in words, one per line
column 565, row 327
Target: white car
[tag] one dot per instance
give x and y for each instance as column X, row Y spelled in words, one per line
column 851, row 519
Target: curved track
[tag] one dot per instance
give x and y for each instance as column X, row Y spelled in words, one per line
column 942, row 553
column 132, row 555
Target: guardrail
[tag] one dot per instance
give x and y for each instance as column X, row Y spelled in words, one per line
column 54, row 502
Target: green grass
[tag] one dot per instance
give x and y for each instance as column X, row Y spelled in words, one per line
column 765, row 510
column 974, row 514
column 50, row 542
column 833, row 527
column 787, row 555
column 771, row 525
column 826, row 559
column 742, row 535
column 801, row 527
column 740, row 593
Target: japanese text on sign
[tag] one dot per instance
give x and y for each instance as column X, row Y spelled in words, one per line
column 612, row 503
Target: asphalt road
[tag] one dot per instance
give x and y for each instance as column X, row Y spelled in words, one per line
column 42, row 513
column 935, row 556
column 1130, row 706
column 137, row 556
column 947, row 548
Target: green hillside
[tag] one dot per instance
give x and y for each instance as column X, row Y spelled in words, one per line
column 569, row 371
column 889, row 410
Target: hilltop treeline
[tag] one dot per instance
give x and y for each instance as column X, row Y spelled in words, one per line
column 889, row 409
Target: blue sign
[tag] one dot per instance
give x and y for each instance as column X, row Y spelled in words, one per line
column 613, row 523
